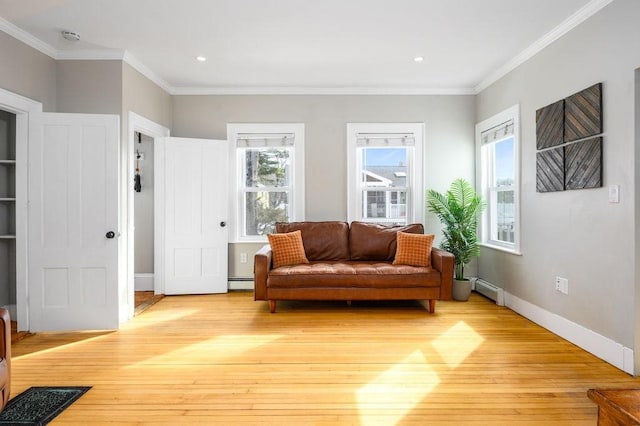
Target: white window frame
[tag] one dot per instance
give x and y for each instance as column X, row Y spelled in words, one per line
column 415, row 182
column 485, row 169
column 296, row 194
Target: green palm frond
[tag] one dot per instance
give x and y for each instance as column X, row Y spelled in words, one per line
column 458, row 210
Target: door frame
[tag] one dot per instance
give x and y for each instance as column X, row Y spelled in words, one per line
column 26, row 111
column 138, row 123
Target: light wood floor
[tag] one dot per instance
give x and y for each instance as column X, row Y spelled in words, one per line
column 223, row 359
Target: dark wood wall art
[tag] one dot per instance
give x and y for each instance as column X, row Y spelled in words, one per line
column 550, row 170
column 583, row 114
column 583, row 164
column 568, row 157
column 550, row 125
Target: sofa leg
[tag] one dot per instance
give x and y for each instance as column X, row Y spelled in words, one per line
column 272, row 306
column 432, row 306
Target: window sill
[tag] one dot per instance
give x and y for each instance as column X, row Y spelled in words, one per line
column 239, row 241
column 500, row 248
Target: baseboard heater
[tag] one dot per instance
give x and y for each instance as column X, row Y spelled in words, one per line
column 240, row 283
column 489, row 290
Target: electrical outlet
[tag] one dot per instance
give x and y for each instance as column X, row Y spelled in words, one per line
column 243, row 257
column 562, row 285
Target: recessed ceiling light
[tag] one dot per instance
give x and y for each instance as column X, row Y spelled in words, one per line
column 418, row 59
column 201, row 58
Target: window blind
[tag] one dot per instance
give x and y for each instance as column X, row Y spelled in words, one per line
column 261, row 140
column 385, row 139
column 496, row 133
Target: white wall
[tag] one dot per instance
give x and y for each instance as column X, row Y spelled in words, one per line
column 577, row 234
column 449, row 145
column 27, row 72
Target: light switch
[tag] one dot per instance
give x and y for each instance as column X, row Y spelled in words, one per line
column 614, row 193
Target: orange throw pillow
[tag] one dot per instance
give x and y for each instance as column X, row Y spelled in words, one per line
column 287, row 249
column 414, row 249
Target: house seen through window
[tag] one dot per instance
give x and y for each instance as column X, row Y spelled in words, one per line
column 385, row 172
column 384, row 184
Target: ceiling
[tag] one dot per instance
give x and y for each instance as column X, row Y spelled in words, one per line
column 298, row 46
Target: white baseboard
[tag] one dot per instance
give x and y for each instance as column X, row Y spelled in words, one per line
column 240, row 284
column 143, row 282
column 604, row 348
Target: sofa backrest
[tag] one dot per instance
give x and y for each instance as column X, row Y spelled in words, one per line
column 372, row 241
column 321, row 240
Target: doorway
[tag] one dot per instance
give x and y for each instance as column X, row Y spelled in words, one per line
column 143, row 185
column 143, row 271
column 143, row 213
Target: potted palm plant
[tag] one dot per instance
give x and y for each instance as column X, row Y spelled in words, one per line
column 458, row 210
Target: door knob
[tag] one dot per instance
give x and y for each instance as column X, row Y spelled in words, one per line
column 223, row 224
column 110, row 234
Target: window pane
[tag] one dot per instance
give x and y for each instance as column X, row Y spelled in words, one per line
column 387, row 206
column 384, row 167
column 504, row 163
column 263, row 210
column 505, row 226
column 267, row 167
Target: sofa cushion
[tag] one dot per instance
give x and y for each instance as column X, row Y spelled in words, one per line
column 413, row 249
column 352, row 274
column 373, row 241
column 287, row 249
column 322, row 240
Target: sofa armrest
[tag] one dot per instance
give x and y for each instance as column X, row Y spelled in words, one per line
column 442, row 261
column 261, row 267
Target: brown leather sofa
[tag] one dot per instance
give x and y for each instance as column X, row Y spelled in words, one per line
column 5, row 357
column 351, row 262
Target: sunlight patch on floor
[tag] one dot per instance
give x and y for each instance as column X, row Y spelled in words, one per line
column 157, row 317
column 457, row 343
column 399, row 390
column 211, row 350
column 81, row 341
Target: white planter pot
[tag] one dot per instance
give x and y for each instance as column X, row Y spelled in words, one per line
column 461, row 290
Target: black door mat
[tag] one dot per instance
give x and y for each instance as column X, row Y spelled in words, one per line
column 39, row 405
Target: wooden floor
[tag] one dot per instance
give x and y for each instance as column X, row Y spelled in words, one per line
column 223, row 359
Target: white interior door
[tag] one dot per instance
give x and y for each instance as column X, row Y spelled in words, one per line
column 196, row 237
column 73, row 223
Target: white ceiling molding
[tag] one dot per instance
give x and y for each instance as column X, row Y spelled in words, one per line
column 27, row 38
column 91, row 55
column 570, row 23
column 147, row 72
column 281, row 90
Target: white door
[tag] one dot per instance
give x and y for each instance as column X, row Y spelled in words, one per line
column 196, row 238
column 73, row 223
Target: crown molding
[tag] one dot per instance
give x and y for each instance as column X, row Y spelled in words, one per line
column 130, row 59
column 283, row 90
column 27, row 38
column 570, row 23
column 91, row 55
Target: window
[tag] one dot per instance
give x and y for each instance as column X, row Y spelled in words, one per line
column 385, row 172
column 267, row 177
column 498, row 154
